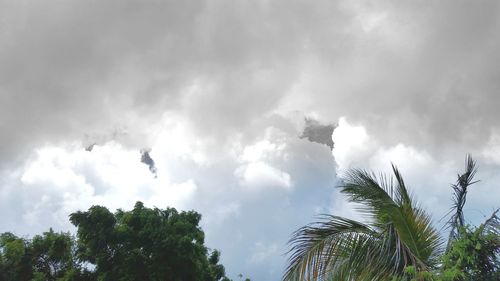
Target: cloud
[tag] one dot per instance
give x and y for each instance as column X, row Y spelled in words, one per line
column 316, row 132
column 255, row 173
column 261, row 175
column 146, row 159
column 253, row 191
column 58, row 181
column 429, row 178
column 81, row 69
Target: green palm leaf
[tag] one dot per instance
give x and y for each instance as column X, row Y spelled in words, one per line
column 398, row 234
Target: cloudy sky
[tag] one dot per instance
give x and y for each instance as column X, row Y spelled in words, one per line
column 221, row 92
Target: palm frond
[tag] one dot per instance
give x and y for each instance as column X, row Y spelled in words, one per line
column 374, row 198
column 492, row 224
column 318, row 248
column 399, row 234
column 401, row 197
column 389, row 204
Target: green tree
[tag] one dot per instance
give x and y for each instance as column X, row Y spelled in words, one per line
column 47, row 257
column 15, row 258
column 54, row 257
column 145, row 244
column 141, row 244
column 216, row 270
column 474, row 253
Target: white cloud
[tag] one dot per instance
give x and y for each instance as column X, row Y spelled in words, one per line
column 428, row 176
column 257, row 151
column 259, row 175
column 58, row 181
column 351, row 145
column 252, row 187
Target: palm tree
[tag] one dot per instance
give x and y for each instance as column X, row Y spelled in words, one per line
column 481, row 245
column 464, row 181
column 398, row 235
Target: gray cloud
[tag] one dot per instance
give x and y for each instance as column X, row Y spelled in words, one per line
column 71, row 68
column 316, row 132
column 146, row 159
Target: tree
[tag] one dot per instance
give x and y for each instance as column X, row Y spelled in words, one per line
column 145, row 244
column 52, row 254
column 54, row 258
column 141, row 244
column 474, row 253
column 15, row 258
column 46, row 257
column 464, row 181
column 398, row 235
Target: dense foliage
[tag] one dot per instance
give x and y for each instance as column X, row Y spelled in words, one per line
column 50, row 257
column 474, row 255
column 398, row 241
column 141, row 244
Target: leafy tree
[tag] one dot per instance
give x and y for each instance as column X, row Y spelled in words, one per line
column 54, row 258
column 46, row 257
column 141, row 244
column 52, row 253
column 474, row 254
column 15, row 258
column 145, row 244
column 216, row 270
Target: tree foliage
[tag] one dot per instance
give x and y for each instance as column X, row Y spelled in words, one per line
column 15, row 258
column 474, row 254
column 141, row 244
column 47, row 257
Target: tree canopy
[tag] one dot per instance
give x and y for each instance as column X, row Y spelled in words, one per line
column 141, row 244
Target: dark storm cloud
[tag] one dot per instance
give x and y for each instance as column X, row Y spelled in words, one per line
column 316, row 132
column 69, row 68
column 66, row 67
column 146, row 159
column 426, row 74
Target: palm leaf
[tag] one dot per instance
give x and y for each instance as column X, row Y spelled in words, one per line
column 390, row 206
column 319, row 247
column 398, row 234
column 492, row 225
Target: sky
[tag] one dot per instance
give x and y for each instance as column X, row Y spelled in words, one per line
column 237, row 104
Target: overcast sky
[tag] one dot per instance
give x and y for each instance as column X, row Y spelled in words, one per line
column 220, row 92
